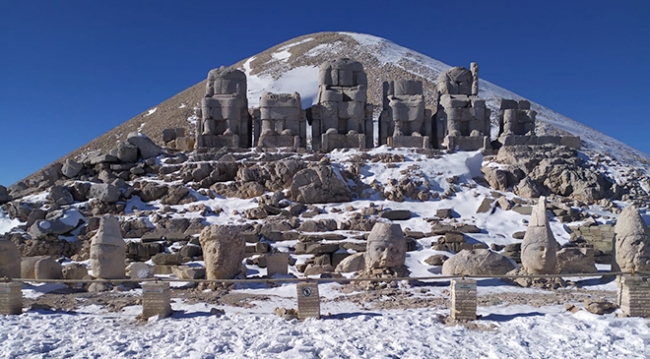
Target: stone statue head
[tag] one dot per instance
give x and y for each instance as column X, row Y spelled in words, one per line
column 386, row 247
column 539, row 247
column 542, row 258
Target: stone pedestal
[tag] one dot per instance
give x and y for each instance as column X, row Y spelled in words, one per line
column 277, row 263
column 308, row 300
column 156, row 300
column 463, row 299
column 634, row 295
column 409, row 141
column 11, row 298
column 331, row 141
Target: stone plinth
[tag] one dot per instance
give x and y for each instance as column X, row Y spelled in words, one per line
column 514, row 140
column 331, row 141
column 463, row 299
column 308, row 301
column 277, row 263
column 156, row 300
column 409, row 141
column 633, row 296
column 467, row 143
column 11, row 298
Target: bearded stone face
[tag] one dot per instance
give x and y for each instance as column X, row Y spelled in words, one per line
column 386, row 247
column 385, row 254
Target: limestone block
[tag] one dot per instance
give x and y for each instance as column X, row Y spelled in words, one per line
column 352, row 263
column 108, row 250
column 456, row 80
column 463, row 299
column 146, row 147
column 223, row 107
column 226, row 81
column 223, row 251
column 407, row 87
column 454, row 101
column 508, row 104
column 523, row 104
column 477, row 262
column 11, row 299
column 277, row 263
column 127, row 152
column 40, row 267
column 104, row 192
column 474, row 70
column 10, row 262
column 156, row 299
column 139, row 270
column 352, row 109
column 71, row 168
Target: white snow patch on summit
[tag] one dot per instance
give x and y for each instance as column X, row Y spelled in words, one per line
column 303, row 80
column 151, row 112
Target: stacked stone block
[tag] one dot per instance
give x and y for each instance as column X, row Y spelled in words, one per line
column 404, row 121
column 342, row 118
column 462, row 116
column 463, row 299
column 175, row 138
column 600, row 237
column 225, row 121
column 11, row 298
column 156, row 299
column 277, row 263
column 517, row 127
column 633, row 295
column 308, row 300
column 280, row 121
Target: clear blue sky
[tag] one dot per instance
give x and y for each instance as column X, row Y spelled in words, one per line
column 72, row 70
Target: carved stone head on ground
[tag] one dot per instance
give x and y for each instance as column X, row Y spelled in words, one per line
column 386, row 247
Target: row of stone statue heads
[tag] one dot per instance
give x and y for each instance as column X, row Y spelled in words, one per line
column 343, row 118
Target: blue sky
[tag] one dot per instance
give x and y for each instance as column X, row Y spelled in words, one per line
column 72, row 70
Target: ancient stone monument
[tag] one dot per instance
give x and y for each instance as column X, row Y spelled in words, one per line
column 633, row 292
column 539, row 248
column 108, row 250
column 517, row 126
column 342, row 118
column 404, row 120
column 156, row 298
column 477, row 262
column 223, row 251
column 386, row 251
column 40, row 267
column 9, row 259
column 224, row 120
column 280, row 121
column 463, row 299
column 632, row 242
column 11, row 298
column 308, row 300
column 462, row 117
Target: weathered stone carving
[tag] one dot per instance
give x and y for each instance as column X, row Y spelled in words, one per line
column 224, row 120
column 464, row 113
column 223, row 251
column 517, row 126
column 386, row 248
column 9, row 259
column 632, row 242
column 539, row 248
column 280, row 121
column 404, row 121
column 342, row 118
column 108, row 250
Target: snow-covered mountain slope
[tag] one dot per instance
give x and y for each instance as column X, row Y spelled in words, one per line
column 293, row 66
